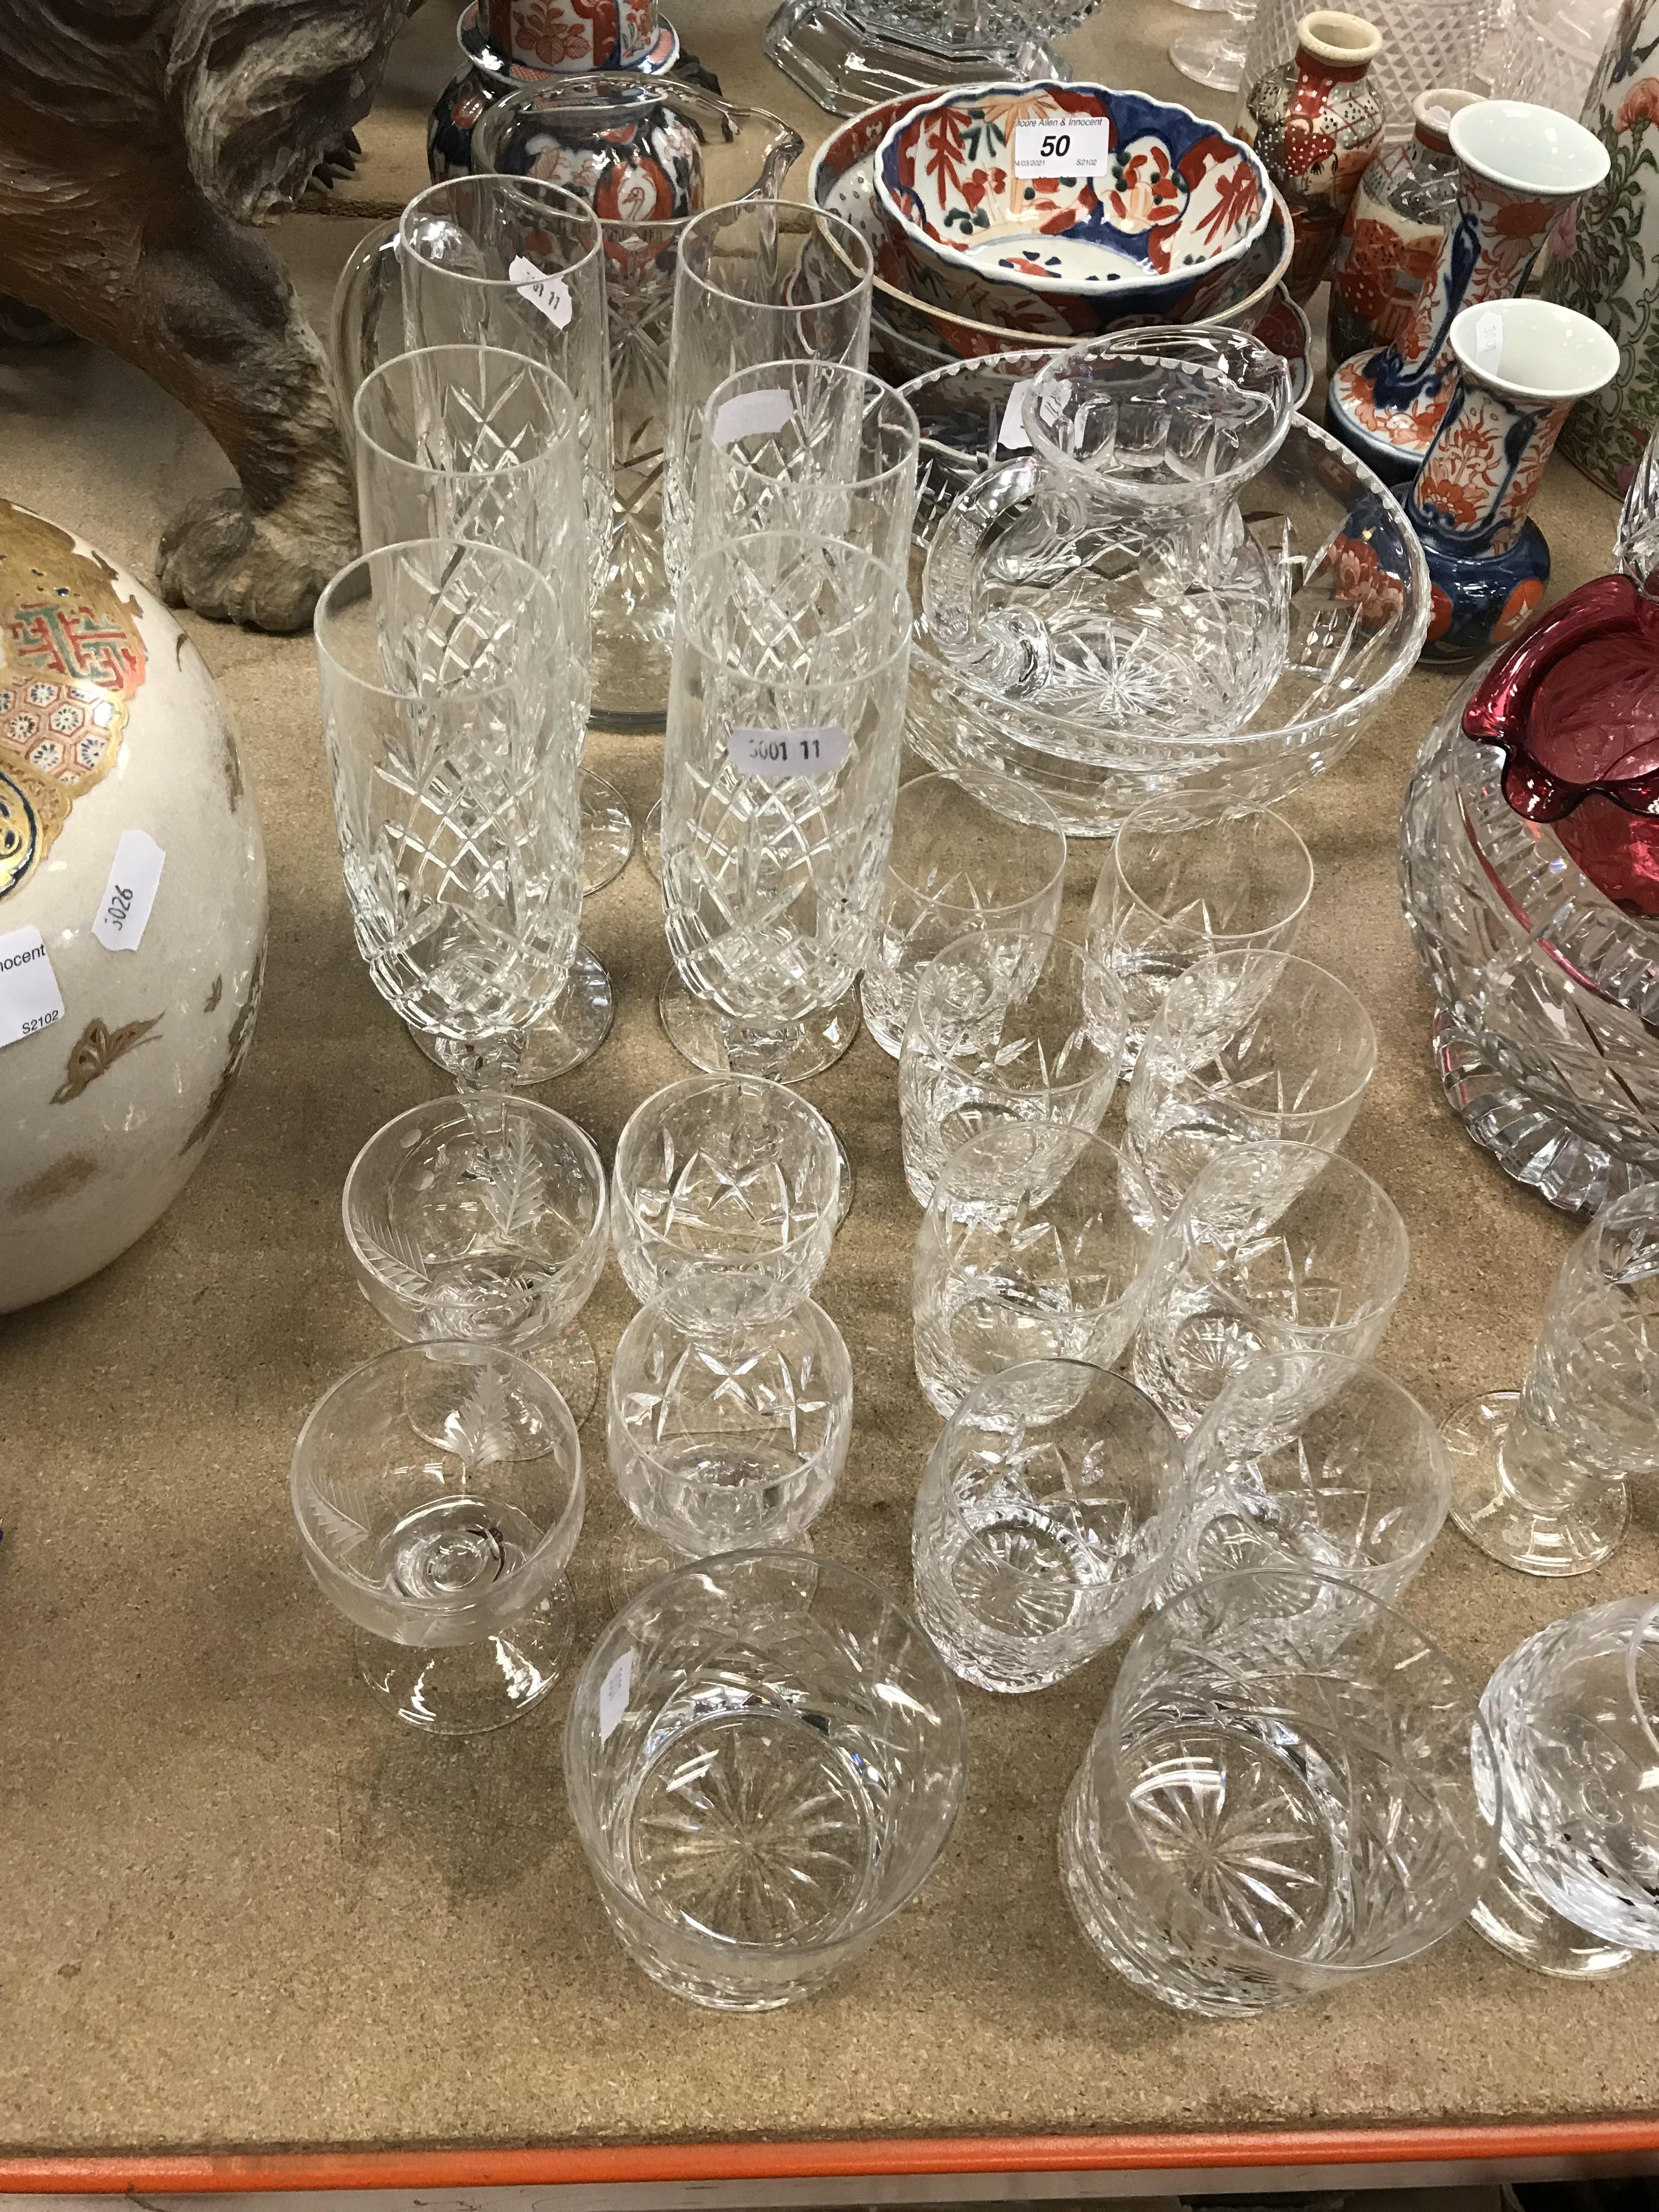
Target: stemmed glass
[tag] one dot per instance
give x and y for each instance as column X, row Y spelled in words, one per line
column 1034, row 1246
column 438, row 1491
column 954, row 866
column 469, row 442
column 1278, row 1248
column 445, row 676
column 511, row 1257
column 1575, row 1716
column 784, row 722
column 755, row 281
column 1177, row 884
column 1541, row 1474
column 1008, row 1026
column 1310, row 1459
column 517, row 264
column 1282, row 1793
column 1218, row 61
column 1246, row 1044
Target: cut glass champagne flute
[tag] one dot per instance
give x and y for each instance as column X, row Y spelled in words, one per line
column 451, row 745
column 517, row 264
column 758, row 280
column 469, row 442
column 782, row 760
column 1541, row 1474
column 1575, row 1716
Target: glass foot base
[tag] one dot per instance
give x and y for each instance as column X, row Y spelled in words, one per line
column 467, row 1689
column 607, row 833
column 1535, row 1540
column 1515, row 1918
column 1525, row 1134
column 698, row 1030
column 651, row 841
column 1213, row 62
column 570, row 1364
column 578, row 1025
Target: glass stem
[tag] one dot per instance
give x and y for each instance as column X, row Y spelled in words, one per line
column 483, row 1064
column 760, row 1048
column 1540, row 1471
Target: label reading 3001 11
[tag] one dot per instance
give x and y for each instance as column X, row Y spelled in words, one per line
column 776, row 754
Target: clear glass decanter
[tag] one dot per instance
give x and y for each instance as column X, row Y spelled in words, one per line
column 1105, row 580
column 1529, row 870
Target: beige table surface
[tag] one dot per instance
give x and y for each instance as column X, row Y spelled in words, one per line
column 240, row 1907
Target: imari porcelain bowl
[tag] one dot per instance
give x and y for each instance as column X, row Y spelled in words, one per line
column 1178, row 202
column 923, row 317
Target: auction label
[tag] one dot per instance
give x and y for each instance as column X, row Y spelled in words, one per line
column 747, row 413
column 1012, row 438
column 776, row 754
column 541, row 288
column 30, row 997
column 1069, row 146
column 614, row 1693
column 134, row 874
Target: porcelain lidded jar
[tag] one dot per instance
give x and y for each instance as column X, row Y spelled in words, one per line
column 1315, row 124
column 1396, row 225
column 132, row 909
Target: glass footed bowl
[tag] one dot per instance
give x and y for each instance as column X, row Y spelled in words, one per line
column 1358, row 611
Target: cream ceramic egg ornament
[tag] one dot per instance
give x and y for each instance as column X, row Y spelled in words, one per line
column 132, row 909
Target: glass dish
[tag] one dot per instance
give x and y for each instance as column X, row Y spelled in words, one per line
column 1358, row 613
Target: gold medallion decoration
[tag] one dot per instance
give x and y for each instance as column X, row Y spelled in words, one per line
column 71, row 661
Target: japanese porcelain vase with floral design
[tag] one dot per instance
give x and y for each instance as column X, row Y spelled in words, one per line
column 1605, row 255
column 1519, row 166
column 1177, row 201
column 132, row 909
column 1522, row 364
column 1316, row 123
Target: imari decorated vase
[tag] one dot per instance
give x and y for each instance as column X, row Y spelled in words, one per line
column 1518, row 167
column 1522, row 364
column 1605, row 255
column 1396, row 224
column 132, row 909
column 537, row 28
column 1316, row 123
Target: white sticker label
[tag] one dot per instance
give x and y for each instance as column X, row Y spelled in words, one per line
column 776, row 754
column 747, row 413
column 130, row 893
column 541, row 288
column 1488, row 341
column 30, row 997
column 1065, row 145
column 1011, row 436
column 613, row 1696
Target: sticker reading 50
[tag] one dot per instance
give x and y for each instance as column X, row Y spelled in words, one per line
column 776, row 754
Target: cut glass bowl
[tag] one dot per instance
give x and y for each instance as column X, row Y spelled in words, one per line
column 1358, row 613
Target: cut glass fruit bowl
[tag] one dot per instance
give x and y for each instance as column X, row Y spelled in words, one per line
column 1356, row 597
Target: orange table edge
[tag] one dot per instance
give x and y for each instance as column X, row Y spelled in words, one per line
column 187, row 2173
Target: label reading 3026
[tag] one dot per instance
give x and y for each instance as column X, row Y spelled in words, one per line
column 776, row 754
column 1063, row 146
